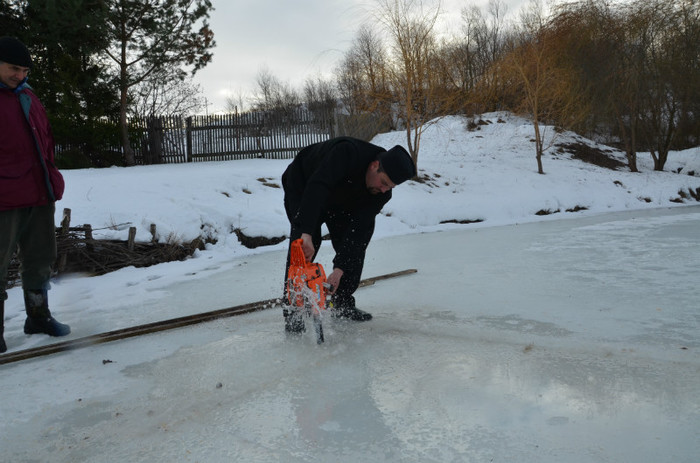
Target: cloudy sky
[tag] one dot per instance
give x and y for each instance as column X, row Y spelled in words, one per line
column 293, row 40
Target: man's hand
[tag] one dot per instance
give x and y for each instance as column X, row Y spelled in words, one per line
column 334, row 279
column 307, row 245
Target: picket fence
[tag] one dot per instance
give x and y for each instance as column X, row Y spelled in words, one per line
column 270, row 135
column 175, row 139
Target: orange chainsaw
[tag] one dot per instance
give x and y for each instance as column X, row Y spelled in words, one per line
column 306, row 291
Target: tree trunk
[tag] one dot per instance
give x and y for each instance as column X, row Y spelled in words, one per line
column 628, row 138
column 538, row 146
column 129, row 157
column 665, row 145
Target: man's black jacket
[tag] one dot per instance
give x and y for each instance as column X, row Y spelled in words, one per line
column 330, row 177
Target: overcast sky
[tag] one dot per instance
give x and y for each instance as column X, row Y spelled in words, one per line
column 293, row 40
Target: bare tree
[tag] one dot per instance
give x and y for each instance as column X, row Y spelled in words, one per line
column 410, row 25
column 236, row 102
column 272, row 94
column 321, row 100
column 162, row 93
column 542, row 81
column 349, row 82
column 685, row 45
column 486, row 37
column 610, row 52
column 671, row 71
column 640, row 63
column 278, row 101
column 267, row 88
column 320, row 97
column 363, row 74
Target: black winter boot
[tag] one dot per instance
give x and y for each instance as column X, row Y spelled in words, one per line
column 293, row 321
column 344, row 307
column 352, row 313
column 3, row 346
column 39, row 319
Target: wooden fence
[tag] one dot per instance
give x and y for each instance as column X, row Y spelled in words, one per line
column 78, row 251
column 269, row 135
column 276, row 135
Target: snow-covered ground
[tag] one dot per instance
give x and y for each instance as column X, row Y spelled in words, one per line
column 520, row 338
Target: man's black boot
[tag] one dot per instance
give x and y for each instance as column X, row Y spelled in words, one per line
column 352, row 313
column 39, row 319
column 343, row 306
column 293, row 321
column 3, row 346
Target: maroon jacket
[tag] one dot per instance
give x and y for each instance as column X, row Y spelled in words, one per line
column 28, row 176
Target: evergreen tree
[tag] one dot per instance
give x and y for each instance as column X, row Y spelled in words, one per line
column 149, row 36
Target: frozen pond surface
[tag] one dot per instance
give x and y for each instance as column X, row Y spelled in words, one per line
column 560, row 341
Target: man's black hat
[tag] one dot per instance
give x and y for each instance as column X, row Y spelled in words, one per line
column 397, row 164
column 13, row 51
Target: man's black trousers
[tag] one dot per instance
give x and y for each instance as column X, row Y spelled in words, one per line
column 339, row 224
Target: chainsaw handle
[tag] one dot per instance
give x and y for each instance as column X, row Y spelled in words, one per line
column 333, row 280
column 307, row 245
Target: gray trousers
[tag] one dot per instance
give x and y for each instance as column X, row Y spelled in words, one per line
column 31, row 231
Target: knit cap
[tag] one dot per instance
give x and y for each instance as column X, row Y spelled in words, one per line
column 397, row 164
column 13, row 51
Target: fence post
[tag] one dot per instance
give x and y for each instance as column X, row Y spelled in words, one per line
column 188, row 131
column 88, row 237
column 334, row 124
column 154, row 129
column 154, row 237
column 65, row 227
column 132, row 238
column 65, row 222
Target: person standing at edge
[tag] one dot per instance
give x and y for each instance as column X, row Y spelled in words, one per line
column 343, row 182
column 30, row 184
